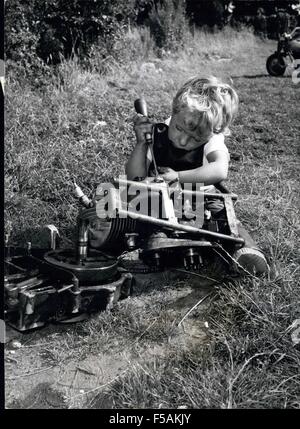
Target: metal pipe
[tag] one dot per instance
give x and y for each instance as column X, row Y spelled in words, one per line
column 209, row 194
column 140, row 106
column 157, row 186
column 179, row 227
column 154, row 186
column 150, row 144
column 82, row 240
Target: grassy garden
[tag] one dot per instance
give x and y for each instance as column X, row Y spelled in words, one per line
column 240, row 349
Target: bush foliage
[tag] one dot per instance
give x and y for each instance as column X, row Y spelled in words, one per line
column 53, row 29
column 168, row 24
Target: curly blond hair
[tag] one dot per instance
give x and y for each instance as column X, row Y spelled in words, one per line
column 216, row 102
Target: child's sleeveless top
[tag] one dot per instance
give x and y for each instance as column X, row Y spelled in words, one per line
column 166, row 155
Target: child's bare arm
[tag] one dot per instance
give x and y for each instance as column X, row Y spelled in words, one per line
column 137, row 165
column 215, row 171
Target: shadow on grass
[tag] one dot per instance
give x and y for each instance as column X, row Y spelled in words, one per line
column 258, row 76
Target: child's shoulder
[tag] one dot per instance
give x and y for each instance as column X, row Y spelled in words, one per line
column 216, row 142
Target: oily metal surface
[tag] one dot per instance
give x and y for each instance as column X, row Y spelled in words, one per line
column 97, row 266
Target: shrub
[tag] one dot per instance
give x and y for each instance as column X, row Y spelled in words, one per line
column 168, row 24
column 61, row 27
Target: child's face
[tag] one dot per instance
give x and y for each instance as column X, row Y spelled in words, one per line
column 187, row 131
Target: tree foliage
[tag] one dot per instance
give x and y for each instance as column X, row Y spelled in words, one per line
column 168, row 23
column 52, row 28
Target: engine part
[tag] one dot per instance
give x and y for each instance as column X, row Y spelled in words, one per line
column 131, row 240
column 96, row 267
column 192, row 259
column 51, row 288
column 83, row 199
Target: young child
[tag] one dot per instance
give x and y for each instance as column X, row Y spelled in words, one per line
column 191, row 149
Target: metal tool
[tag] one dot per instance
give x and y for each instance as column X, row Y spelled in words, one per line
column 140, row 106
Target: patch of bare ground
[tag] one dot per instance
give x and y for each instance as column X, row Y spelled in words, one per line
column 44, row 371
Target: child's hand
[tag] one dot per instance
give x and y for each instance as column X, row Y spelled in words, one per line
column 168, row 174
column 142, row 125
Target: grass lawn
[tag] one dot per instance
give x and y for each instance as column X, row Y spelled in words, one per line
column 237, row 350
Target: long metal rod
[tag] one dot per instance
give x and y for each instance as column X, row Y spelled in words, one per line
column 157, row 186
column 209, row 194
column 140, row 185
column 154, row 160
column 178, row 226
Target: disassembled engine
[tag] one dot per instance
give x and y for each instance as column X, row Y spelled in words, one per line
column 67, row 284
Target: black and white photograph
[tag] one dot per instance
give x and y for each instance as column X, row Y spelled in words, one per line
column 151, row 206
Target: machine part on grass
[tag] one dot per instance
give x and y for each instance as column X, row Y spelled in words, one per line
column 61, row 290
column 97, row 266
column 251, row 260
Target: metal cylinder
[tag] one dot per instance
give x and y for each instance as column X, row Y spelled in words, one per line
column 191, row 259
column 82, row 240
